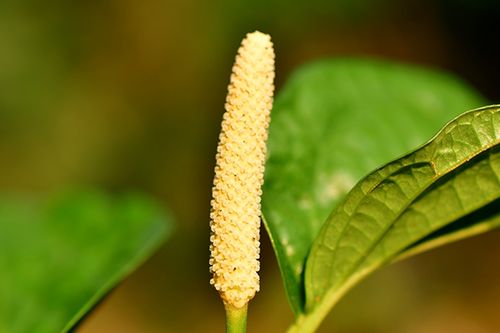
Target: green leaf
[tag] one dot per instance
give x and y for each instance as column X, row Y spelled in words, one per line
column 398, row 205
column 59, row 257
column 334, row 122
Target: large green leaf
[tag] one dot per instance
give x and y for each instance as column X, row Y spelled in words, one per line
column 334, row 122
column 59, row 257
column 454, row 175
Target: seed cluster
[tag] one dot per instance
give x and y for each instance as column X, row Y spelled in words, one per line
column 239, row 172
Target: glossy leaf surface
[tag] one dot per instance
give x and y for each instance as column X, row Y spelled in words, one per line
column 333, row 123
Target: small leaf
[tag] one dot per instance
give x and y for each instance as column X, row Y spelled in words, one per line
column 332, row 123
column 452, row 176
column 58, row 258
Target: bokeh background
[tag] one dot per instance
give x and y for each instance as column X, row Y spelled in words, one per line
column 128, row 95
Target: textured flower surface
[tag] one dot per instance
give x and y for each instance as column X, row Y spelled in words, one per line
column 239, row 172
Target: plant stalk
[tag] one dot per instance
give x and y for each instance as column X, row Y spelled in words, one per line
column 236, row 319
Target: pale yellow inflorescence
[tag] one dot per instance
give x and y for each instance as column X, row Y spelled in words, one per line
column 239, row 172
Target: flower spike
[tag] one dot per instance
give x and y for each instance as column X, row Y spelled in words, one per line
column 239, row 173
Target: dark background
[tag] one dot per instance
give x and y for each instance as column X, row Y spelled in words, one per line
column 126, row 94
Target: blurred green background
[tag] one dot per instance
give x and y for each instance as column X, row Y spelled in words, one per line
column 128, row 95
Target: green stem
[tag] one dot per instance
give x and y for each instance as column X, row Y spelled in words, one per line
column 236, row 319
